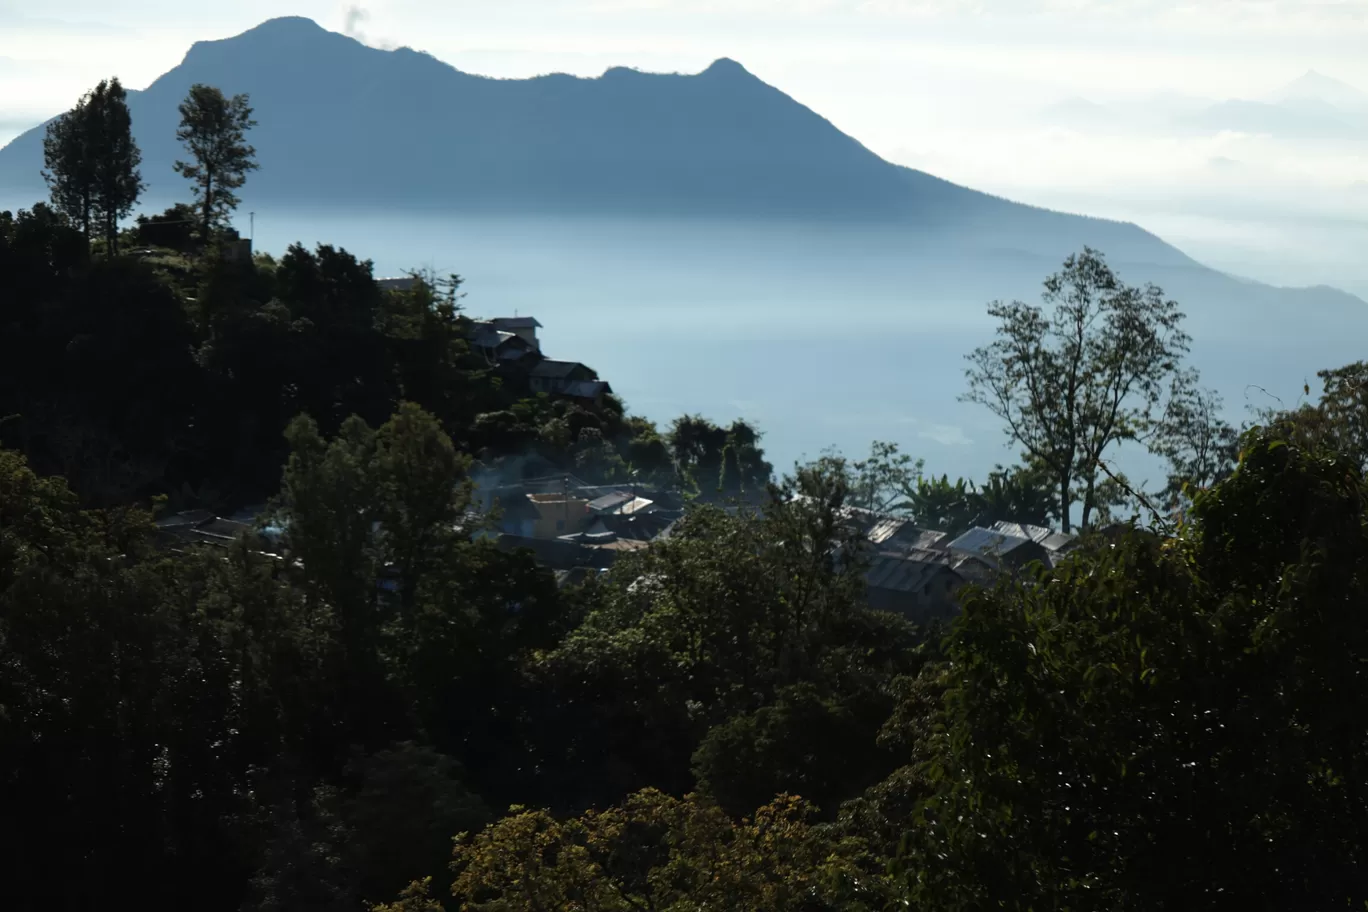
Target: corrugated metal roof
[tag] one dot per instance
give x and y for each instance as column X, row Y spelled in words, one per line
column 904, row 573
column 1060, row 541
column 884, row 529
column 987, row 541
column 609, row 501
column 1041, row 535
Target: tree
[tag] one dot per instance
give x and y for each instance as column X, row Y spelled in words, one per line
column 1092, row 372
column 68, row 166
column 1200, row 446
column 91, row 161
column 116, row 158
column 659, row 852
column 718, row 460
column 881, row 480
column 1182, row 706
column 214, row 129
column 174, row 228
column 1020, row 494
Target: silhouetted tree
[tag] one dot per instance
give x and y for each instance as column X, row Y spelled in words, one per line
column 91, row 161
column 214, row 130
column 116, row 158
column 1091, row 372
column 68, row 167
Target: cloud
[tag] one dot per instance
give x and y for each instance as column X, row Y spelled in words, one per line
column 946, row 435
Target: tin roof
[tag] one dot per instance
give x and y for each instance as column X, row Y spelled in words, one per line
column 988, row 541
column 907, row 572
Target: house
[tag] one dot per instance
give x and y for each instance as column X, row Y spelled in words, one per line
column 918, row 584
column 1004, row 550
column 558, row 514
column 523, row 327
column 890, row 531
column 500, row 346
column 549, row 376
column 621, row 502
column 646, row 527
column 588, row 390
column 1057, row 544
column 199, row 527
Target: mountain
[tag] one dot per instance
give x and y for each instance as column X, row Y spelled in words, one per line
column 346, row 126
column 1294, row 118
column 1315, row 87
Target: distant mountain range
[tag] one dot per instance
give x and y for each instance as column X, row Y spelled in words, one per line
column 346, row 127
column 343, row 125
column 1313, row 106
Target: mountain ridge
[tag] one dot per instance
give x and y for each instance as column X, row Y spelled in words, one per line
column 342, row 124
column 348, row 127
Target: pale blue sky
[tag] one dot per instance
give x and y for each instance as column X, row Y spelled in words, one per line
column 952, row 86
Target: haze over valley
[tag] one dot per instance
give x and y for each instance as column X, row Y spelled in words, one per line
column 705, row 240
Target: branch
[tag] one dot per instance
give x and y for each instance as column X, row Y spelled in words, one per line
column 1161, row 521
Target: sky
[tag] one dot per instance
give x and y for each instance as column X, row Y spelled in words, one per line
column 960, row 88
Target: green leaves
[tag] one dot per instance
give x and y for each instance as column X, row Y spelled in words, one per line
column 214, row 129
column 91, row 162
column 1166, row 706
column 1093, row 368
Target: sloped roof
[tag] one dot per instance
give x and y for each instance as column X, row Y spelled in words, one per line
column 988, row 541
column 550, row 368
column 906, row 572
column 515, row 323
column 588, row 389
column 1049, row 538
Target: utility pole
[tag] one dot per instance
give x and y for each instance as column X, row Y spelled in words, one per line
column 251, row 232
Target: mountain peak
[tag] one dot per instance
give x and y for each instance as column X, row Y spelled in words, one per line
column 281, row 25
column 1314, row 85
column 725, row 66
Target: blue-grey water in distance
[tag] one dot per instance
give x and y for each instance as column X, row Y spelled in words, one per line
column 824, row 336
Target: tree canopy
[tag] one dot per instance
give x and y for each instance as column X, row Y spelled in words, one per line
column 214, row 128
column 1092, row 371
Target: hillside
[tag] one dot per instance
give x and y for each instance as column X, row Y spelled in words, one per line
column 343, row 125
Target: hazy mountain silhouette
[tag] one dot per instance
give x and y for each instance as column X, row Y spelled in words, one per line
column 1313, row 86
column 351, row 128
column 345, row 125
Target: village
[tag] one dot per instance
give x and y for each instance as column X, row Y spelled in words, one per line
column 576, row 529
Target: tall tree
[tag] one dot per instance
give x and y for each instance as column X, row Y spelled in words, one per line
column 91, row 161
column 214, row 130
column 1091, row 372
column 115, row 158
column 68, row 166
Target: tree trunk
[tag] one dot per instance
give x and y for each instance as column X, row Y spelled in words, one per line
column 1064, row 480
column 208, row 206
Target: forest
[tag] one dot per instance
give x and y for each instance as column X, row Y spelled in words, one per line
column 1168, row 719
